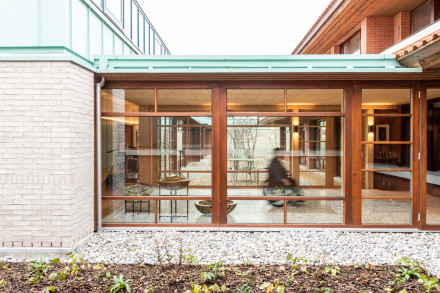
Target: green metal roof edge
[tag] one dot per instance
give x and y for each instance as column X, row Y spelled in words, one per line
column 377, row 63
column 44, row 54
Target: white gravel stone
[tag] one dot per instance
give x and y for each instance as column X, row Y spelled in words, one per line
column 345, row 248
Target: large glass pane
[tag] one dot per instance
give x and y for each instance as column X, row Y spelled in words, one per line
column 256, row 100
column 316, row 212
column 128, row 211
column 184, row 211
column 386, row 156
column 254, row 212
column 421, row 17
column 114, row 7
column 144, row 156
column 386, row 101
column 433, row 158
column 386, row 128
column 386, row 211
column 386, row 184
column 306, row 150
column 184, row 100
column 120, row 100
column 315, row 100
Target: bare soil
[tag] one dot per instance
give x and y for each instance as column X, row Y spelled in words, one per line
column 174, row 278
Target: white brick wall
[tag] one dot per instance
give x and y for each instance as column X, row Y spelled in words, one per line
column 46, row 154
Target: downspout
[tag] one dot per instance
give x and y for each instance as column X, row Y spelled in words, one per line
column 99, row 86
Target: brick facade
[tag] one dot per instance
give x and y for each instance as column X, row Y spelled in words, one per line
column 402, row 26
column 377, row 34
column 46, row 154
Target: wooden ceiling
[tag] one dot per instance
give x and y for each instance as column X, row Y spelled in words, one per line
column 315, row 96
column 386, row 96
column 255, row 96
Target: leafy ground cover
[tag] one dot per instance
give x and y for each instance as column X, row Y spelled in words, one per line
column 185, row 275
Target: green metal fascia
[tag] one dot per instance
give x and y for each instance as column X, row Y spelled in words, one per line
column 44, row 54
column 249, row 64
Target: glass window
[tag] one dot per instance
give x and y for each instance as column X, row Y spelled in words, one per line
column 309, row 155
column 184, row 100
column 315, row 100
column 433, row 158
column 115, row 9
column 386, row 156
column 143, row 156
column 421, row 16
column 255, row 100
column 352, row 45
column 120, row 100
column 127, row 17
column 135, row 25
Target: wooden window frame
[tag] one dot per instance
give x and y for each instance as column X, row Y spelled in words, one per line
column 352, row 115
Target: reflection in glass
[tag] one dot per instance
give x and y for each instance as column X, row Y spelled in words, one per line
column 311, row 153
column 316, row 212
column 433, row 158
column 386, row 211
column 138, row 153
column 120, row 100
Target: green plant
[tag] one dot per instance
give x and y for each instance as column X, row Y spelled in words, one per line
column 217, row 270
column 120, row 284
column 295, row 262
column 196, row 288
column 326, row 290
column 49, row 289
column 208, row 276
column 3, row 283
column 333, row 270
column 188, row 258
column 429, row 283
column 271, row 287
column 39, row 268
column 407, row 269
column 245, row 287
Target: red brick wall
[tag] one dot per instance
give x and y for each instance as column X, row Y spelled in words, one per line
column 402, row 26
column 377, row 34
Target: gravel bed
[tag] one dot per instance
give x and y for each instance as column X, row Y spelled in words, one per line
column 267, row 247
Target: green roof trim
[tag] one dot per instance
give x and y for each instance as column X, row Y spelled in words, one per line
column 251, row 64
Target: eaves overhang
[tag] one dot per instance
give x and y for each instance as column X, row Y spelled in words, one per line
column 251, row 64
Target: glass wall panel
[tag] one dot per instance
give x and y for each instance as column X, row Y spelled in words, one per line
column 316, row 212
column 386, row 184
column 128, row 211
column 184, row 211
column 315, row 100
column 120, row 100
column 386, row 101
column 254, row 212
column 184, row 100
column 144, row 156
column 433, row 158
column 309, row 152
column 255, row 100
column 386, row 156
column 386, row 211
